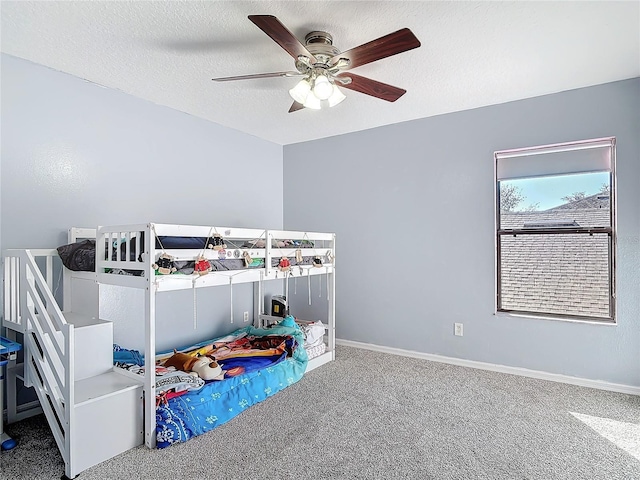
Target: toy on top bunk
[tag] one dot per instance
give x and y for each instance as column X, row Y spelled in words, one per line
column 202, row 266
column 284, row 265
column 216, row 242
column 261, row 243
column 164, row 265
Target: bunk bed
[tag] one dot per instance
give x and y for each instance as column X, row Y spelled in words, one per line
column 151, row 259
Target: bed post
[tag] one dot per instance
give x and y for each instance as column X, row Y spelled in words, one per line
column 150, row 340
column 332, row 301
column 258, row 298
column 267, row 253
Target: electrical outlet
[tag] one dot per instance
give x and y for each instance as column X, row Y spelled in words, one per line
column 246, row 316
column 457, row 330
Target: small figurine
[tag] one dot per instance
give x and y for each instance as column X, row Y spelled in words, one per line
column 216, row 242
column 164, row 265
column 329, row 256
column 246, row 256
column 317, row 262
column 284, row 265
column 202, row 266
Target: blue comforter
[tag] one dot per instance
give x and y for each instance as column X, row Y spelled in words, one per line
column 197, row 412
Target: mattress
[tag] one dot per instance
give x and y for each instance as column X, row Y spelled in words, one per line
column 198, row 411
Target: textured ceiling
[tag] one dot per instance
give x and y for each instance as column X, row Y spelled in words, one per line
column 473, row 54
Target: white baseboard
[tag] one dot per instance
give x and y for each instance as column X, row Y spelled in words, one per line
column 554, row 377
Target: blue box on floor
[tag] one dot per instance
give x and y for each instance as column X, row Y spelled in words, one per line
column 8, row 351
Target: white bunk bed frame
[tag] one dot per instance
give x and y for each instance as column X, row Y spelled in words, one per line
column 90, row 406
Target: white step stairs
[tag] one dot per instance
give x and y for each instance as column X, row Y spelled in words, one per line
column 93, row 346
column 107, row 414
column 94, row 412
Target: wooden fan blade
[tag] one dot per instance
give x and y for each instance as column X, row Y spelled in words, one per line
column 295, row 106
column 279, row 34
column 391, row 44
column 258, row 75
column 371, row 87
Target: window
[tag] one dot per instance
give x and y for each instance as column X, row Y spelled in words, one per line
column 555, row 230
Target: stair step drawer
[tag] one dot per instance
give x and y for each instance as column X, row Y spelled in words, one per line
column 104, row 385
column 107, row 419
column 93, row 345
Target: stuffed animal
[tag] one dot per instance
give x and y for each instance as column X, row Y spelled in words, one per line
column 202, row 266
column 216, row 242
column 204, row 367
column 246, row 256
column 164, row 265
column 284, row 265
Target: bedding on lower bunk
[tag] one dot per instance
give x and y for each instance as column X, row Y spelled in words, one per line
column 313, row 333
column 316, row 351
column 256, row 363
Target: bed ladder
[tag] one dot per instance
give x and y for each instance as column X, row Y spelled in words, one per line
column 94, row 412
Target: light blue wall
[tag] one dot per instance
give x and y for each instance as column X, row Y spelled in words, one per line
column 77, row 154
column 413, row 208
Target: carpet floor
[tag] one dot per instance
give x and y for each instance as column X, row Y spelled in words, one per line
column 371, row 415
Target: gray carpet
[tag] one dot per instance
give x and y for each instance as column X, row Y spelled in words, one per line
column 371, row 415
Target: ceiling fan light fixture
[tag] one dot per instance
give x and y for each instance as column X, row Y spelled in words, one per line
column 312, row 102
column 321, row 64
column 336, row 97
column 322, row 87
column 301, row 91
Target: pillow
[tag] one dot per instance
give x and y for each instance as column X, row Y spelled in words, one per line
column 313, row 334
column 79, row 256
column 177, row 381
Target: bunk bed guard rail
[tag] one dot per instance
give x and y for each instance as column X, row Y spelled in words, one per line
column 133, row 249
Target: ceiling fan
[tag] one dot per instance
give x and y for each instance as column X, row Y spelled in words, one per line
column 322, row 65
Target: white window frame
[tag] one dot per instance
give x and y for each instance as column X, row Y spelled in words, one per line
column 596, row 155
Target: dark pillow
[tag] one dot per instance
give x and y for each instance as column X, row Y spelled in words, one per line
column 79, row 256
